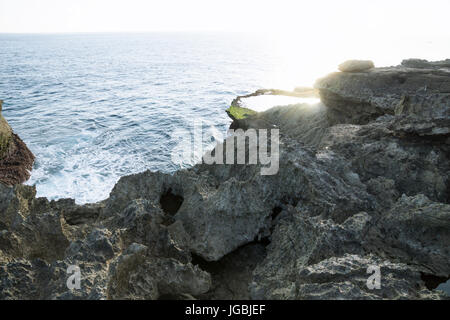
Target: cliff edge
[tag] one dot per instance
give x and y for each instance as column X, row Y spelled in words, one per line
column 16, row 160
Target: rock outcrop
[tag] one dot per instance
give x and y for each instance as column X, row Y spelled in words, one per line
column 420, row 63
column 16, row 160
column 240, row 115
column 420, row 97
column 360, row 187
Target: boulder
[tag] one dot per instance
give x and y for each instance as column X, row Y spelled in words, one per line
column 356, row 66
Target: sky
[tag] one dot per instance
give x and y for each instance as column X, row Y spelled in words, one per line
column 343, row 18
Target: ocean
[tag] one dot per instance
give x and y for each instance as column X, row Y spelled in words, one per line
column 95, row 107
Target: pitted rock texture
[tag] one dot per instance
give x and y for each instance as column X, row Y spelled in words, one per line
column 359, row 186
column 16, row 160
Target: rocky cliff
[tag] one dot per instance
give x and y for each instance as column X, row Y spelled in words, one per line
column 363, row 183
column 16, row 160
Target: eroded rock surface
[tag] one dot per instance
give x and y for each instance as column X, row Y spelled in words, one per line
column 16, row 160
column 363, row 184
column 411, row 93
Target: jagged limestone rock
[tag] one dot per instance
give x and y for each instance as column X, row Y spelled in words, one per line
column 363, row 181
column 414, row 231
column 362, row 97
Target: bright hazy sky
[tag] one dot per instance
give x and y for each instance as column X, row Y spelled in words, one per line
column 339, row 18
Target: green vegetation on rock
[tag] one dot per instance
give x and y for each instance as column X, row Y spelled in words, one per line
column 239, row 113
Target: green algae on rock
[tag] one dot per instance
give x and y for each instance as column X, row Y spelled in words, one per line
column 244, row 117
column 239, row 113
